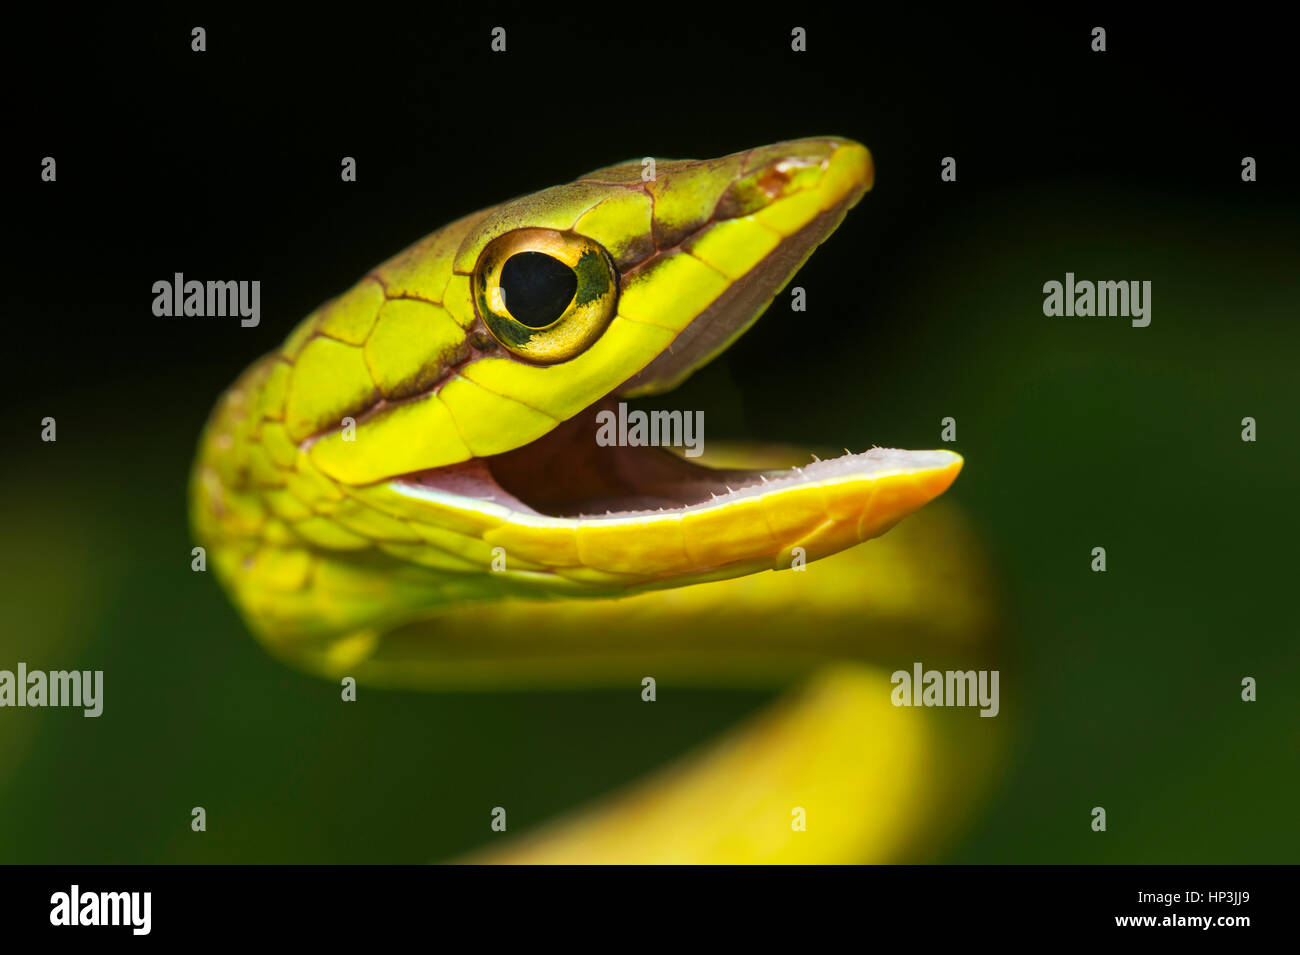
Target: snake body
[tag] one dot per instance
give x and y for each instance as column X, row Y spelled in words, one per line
column 410, row 491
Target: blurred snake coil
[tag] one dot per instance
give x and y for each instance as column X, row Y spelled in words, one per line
column 410, row 492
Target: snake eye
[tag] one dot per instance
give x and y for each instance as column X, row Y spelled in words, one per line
column 544, row 295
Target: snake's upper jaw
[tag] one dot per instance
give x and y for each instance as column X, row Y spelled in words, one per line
column 793, row 196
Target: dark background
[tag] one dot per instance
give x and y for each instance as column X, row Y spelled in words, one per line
column 926, row 303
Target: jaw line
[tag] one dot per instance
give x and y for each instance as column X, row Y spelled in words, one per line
column 565, row 478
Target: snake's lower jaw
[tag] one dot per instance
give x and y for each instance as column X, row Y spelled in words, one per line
column 644, row 511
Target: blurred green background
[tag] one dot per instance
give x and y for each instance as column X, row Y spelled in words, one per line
column 1123, row 688
column 1077, row 433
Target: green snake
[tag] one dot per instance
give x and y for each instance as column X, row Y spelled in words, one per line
column 410, row 492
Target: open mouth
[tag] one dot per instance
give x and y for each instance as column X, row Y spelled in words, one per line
column 568, row 473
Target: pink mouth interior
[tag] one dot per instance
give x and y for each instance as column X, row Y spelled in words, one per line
column 566, row 473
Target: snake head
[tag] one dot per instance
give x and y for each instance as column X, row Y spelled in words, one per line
column 445, row 413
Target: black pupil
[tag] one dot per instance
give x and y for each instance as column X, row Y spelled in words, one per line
column 538, row 288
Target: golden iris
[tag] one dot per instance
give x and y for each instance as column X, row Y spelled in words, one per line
column 543, row 294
